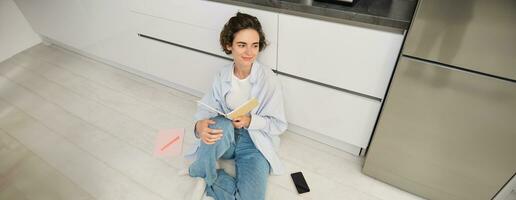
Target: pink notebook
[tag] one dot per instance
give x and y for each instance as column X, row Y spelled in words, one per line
column 169, row 142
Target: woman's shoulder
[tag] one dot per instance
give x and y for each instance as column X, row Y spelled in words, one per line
column 266, row 75
column 264, row 70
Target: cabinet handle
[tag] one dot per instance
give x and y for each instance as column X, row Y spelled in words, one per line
column 182, row 46
column 328, row 86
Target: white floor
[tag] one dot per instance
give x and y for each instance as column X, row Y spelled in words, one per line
column 73, row 128
column 511, row 196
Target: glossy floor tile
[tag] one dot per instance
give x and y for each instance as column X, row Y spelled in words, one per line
column 75, row 128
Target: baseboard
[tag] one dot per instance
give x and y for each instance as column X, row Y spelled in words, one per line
column 355, row 150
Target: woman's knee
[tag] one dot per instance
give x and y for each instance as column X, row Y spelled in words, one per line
column 221, row 123
column 227, row 130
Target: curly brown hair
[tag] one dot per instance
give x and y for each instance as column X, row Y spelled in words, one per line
column 239, row 22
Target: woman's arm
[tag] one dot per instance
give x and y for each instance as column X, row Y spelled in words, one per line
column 270, row 117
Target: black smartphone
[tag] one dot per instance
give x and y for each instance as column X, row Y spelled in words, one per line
column 300, row 182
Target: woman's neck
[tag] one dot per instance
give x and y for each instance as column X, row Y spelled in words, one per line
column 241, row 72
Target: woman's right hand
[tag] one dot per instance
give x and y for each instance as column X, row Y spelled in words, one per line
column 207, row 135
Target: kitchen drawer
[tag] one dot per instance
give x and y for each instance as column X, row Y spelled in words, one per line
column 350, row 57
column 184, row 67
column 204, row 34
column 339, row 115
column 182, row 34
column 208, row 15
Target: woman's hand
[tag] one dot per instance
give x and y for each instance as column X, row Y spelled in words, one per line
column 207, row 135
column 242, row 121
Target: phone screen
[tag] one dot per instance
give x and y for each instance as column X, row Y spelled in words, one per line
column 300, row 182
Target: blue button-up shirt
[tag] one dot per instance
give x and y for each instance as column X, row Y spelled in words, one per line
column 268, row 119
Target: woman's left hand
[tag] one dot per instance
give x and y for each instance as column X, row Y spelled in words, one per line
column 242, row 121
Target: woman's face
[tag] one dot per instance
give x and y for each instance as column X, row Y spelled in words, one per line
column 245, row 47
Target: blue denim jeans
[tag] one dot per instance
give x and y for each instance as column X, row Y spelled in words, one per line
column 252, row 169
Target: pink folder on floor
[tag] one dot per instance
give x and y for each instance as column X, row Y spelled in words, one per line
column 169, row 142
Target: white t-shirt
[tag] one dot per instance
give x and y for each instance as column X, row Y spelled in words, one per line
column 239, row 93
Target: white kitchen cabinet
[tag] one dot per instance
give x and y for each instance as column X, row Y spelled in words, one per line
column 339, row 115
column 62, row 20
column 106, row 29
column 204, row 14
column 113, row 31
column 188, row 69
column 350, row 57
column 197, row 24
column 182, row 34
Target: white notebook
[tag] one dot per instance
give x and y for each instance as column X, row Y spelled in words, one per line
column 243, row 109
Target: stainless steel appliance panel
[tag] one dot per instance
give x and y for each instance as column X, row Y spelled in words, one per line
column 445, row 134
column 479, row 35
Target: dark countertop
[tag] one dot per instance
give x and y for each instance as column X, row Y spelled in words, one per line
column 390, row 14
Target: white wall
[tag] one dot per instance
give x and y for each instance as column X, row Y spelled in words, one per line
column 16, row 34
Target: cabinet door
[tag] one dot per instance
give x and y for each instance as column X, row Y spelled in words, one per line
column 106, row 29
column 182, row 34
column 113, row 32
column 350, row 57
column 336, row 114
column 189, row 69
column 61, row 20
